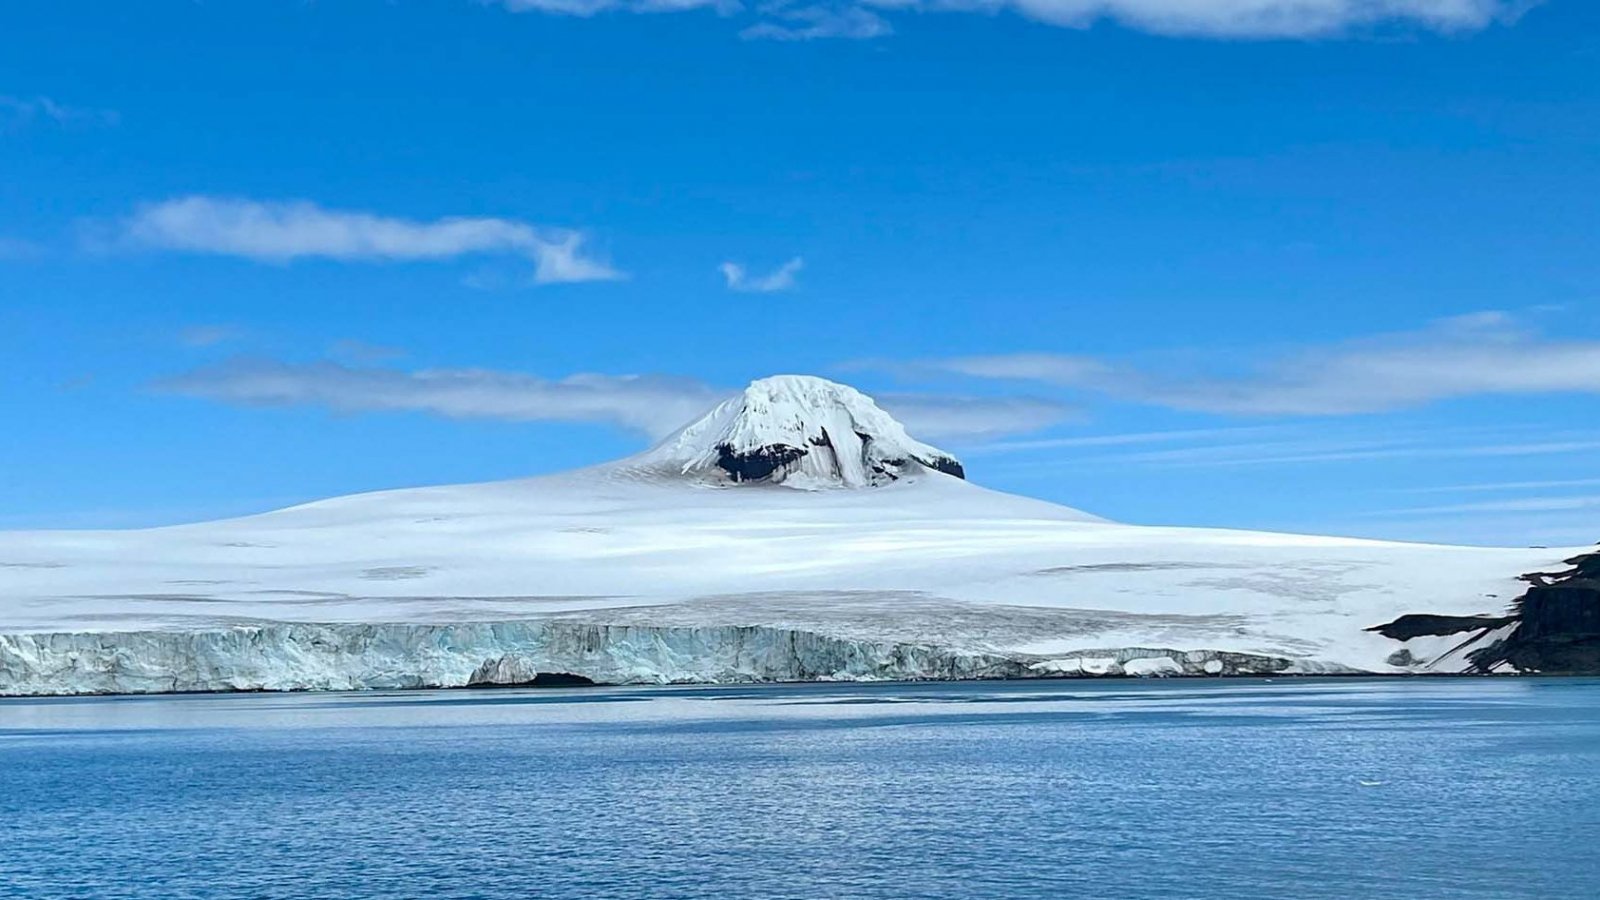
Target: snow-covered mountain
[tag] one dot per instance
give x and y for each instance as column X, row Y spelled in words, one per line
column 802, row 432
column 697, row 560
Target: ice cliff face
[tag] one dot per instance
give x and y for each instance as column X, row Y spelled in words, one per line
column 803, row 432
column 292, row 657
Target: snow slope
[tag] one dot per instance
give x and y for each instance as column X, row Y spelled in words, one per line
column 664, row 568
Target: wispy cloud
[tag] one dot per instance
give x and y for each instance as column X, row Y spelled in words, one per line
column 653, row 405
column 810, row 22
column 362, row 352
column 1092, row 441
column 780, row 279
column 800, row 20
column 1316, row 451
column 587, row 8
column 31, row 109
column 1260, row 18
column 962, row 418
column 281, row 232
column 1493, row 486
column 208, row 335
column 1052, row 368
column 1290, row 445
column 1518, row 504
column 1482, row 354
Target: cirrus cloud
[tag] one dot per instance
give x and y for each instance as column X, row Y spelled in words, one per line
column 651, row 405
column 800, row 20
column 1482, row 354
column 961, row 418
column 21, row 110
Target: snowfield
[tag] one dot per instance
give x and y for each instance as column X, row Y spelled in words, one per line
column 661, row 568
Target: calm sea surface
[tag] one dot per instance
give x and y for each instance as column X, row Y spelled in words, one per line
column 1176, row 789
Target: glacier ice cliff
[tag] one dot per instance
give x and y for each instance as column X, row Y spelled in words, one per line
column 356, row 656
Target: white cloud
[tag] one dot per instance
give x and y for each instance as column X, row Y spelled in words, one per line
column 790, row 20
column 1495, row 486
column 653, row 405
column 208, row 335
column 285, row 231
column 1318, row 451
column 588, row 8
column 355, row 351
column 935, row 417
column 28, row 109
column 1080, row 442
column 1476, row 355
column 1258, row 18
column 1519, row 504
column 780, row 279
column 1056, row 368
column 787, row 22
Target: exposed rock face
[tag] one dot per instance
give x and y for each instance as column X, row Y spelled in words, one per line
column 1426, row 625
column 1558, row 628
column 1402, row 658
column 1553, row 628
column 800, row 431
column 947, row 465
column 759, row 464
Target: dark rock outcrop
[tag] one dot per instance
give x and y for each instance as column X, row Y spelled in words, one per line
column 946, row 465
column 1416, row 625
column 760, row 464
column 757, row 464
column 1402, row 658
column 1556, row 625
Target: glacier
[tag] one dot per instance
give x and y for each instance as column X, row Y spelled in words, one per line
column 303, row 657
column 795, row 532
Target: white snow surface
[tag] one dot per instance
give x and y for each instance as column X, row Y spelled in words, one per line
column 633, row 572
column 848, row 441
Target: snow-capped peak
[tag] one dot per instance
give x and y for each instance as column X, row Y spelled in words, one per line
column 801, row 431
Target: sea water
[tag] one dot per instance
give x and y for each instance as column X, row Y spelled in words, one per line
column 1414, row 788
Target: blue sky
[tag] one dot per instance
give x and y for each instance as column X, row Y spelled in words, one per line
column 1321, row 265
